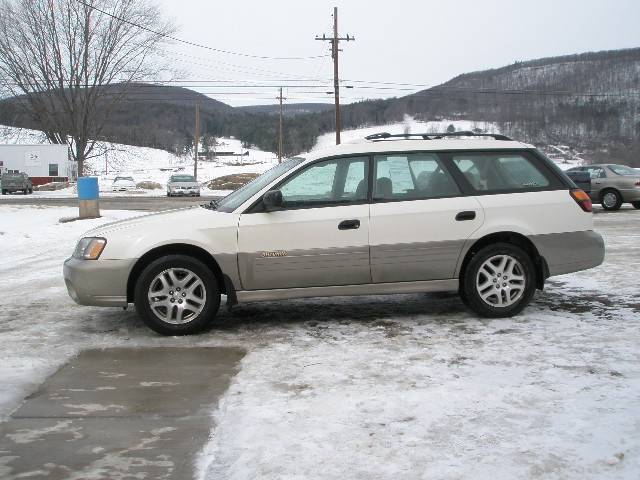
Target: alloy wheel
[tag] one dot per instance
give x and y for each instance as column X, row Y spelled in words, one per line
column 177, row 295
column 501, row 281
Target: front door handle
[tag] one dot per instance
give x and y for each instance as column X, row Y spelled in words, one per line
column 464, row 216
column 349, row 225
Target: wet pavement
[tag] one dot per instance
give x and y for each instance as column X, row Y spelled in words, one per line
column 119, row 413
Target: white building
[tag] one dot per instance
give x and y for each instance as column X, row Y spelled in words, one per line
column 43, row 163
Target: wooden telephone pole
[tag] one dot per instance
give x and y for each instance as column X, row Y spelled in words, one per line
column 280, row 132
column 196, row 142
column 335, row 42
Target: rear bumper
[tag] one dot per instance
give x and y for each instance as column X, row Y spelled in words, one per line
column 570, row 251
column 100, row 283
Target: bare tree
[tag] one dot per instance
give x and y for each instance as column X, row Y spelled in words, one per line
column 71, row 61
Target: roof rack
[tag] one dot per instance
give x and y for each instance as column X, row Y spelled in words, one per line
column 434, row 136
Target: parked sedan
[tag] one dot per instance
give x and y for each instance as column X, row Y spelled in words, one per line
column 612, row 185
column 123, row 184
column 183, row 185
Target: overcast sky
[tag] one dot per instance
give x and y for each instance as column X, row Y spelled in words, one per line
column 418, row 42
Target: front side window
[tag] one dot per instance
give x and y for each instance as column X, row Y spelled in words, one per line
column 331, row 182
column 244, row 193
column 502, row 172
column 412, row 176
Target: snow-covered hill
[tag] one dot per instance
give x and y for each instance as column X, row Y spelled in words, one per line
column 149, row 164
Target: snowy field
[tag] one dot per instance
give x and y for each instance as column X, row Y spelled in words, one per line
column 111, row 160
column 406, row 386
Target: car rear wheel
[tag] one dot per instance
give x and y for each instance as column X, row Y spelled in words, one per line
column 611, row 200
column 499, row 281
column 4, row 192
column 636, row 205
column 177, row 295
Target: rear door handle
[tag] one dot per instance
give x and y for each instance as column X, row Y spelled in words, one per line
column 349, row 225
column 464, row 216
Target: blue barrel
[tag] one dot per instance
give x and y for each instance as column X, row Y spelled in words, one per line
column 88, row 188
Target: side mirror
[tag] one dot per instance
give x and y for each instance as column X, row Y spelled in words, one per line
column 272, row 200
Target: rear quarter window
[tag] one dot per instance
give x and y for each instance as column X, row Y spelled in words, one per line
column 505, row 172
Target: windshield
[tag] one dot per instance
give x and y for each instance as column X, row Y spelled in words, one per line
column 183, row 178
column 624, row 170
column 237, row 198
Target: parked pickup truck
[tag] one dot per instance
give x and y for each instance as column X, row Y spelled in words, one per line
column 15, row 182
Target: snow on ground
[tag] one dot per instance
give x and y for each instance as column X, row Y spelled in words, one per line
column 384, row 387
column 150, row 164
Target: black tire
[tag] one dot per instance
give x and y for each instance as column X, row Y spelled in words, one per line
column 200, row 321
column 471, row 296
column 611, row 206
column 636, row 205
column 30, row 190
column 4, row 192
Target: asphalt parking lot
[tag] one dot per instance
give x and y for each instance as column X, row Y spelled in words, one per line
column 410, row 386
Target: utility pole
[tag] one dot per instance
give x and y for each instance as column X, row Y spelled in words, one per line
column 280, row 133
column 196, row 142
column 335, row 48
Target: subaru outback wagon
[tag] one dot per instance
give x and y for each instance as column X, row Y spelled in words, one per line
column 488, row 217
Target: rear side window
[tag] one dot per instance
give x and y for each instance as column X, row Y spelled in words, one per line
column 413, row 176
column 508, row 171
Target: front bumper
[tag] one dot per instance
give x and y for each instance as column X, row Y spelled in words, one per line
column 184, row 193
column 100, row 283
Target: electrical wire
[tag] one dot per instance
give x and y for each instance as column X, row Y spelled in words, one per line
column 194, row 44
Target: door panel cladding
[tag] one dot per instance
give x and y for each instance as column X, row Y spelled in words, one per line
column 415, row 261
column 305, row 268
column 570, row 251
column 451, row 285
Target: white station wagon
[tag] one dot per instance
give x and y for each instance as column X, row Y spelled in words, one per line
column 488, row 217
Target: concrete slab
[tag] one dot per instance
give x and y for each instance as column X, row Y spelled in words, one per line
column 118, row 414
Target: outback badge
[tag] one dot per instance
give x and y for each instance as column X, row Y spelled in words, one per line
column 275, row 253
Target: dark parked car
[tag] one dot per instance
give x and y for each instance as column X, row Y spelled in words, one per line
column 16, row 182
column 608, row 184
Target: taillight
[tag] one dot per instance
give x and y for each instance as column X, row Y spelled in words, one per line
column 582, row 199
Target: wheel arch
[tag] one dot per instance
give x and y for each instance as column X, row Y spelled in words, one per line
column 174, row 249
column 602, row 192
column 514, row 238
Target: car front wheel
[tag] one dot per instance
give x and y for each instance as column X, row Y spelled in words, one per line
column 499, row 281
column 177, row 295
column 636, row 205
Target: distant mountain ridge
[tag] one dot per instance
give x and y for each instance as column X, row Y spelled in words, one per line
column 589, row 100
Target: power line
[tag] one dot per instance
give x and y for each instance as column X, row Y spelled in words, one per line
column 194, row 44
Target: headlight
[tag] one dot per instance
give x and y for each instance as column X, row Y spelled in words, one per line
column 89, row 248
